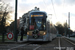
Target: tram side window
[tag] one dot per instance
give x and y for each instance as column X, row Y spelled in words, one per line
column 32, row 21
column 31, row 24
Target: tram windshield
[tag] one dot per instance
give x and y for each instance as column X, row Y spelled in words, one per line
column 37, row 22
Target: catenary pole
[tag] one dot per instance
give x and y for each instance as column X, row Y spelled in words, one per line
column 15, row 23
column 69, row 23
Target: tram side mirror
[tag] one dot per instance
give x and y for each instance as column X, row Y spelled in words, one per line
column 46, row 16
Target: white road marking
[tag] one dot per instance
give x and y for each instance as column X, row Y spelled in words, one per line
column 70, row 42
column 17, row 46
column 33, row 45
column 58, row 47
column 36, row 48
column 59, row 44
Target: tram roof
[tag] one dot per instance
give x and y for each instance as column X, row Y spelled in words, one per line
column 38, row 11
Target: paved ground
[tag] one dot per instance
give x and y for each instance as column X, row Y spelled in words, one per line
column 59, row 43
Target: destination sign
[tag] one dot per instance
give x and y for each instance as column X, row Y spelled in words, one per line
column 36, row 15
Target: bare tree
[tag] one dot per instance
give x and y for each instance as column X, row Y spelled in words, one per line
column 4, row 11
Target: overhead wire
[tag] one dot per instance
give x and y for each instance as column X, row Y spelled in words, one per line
column 44, row 2
column 49, row 9
column 46, row 6
column 54, row 9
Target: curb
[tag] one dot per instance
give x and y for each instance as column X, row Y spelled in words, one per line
column 14, row 42
column 70, row 39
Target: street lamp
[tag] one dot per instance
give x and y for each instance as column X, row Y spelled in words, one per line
column 50, row 14
column 50, row 17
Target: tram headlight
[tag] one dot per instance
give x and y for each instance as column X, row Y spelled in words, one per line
column 44, row 33
column 27, row 33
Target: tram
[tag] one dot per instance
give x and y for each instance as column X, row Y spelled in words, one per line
column 39, row 29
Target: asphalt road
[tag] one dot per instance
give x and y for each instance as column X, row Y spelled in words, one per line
column 59, row 43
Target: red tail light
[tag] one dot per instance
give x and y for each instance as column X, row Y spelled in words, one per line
column 31, row 27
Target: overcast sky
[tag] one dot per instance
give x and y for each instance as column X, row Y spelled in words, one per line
column 58, row 8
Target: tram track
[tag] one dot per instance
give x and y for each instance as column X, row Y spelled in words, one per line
column 57, row 44
column 33, row 45
column 27, row 45
column 20, row 46
column 70, row 41
column 13, row 46
column 66, row 44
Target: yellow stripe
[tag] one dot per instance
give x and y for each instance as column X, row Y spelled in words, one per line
column 41, row 32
